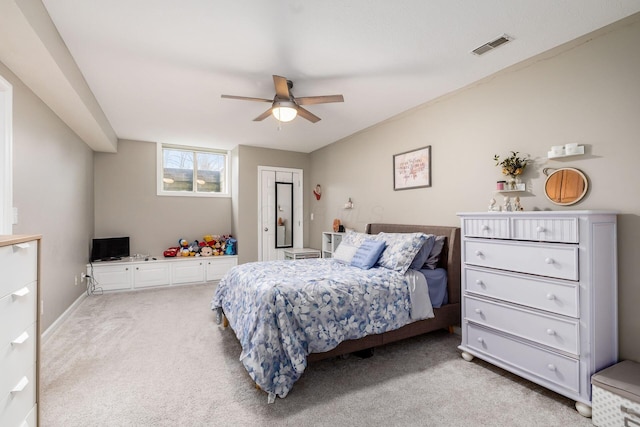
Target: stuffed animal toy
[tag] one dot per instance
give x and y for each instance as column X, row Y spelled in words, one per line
column 231, row 246
column 206, row 251
column 194, row 248
column 171, row 252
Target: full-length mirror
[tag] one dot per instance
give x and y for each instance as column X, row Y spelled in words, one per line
column 284, row 215
column 566, row 186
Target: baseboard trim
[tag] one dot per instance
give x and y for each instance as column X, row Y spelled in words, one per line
column 55, row 325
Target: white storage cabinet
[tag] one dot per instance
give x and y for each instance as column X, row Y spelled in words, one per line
column 330, row 242
column 138, row 274
column 19, row 330
column 533, row 285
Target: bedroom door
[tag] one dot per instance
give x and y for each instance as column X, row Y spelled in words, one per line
column 268, row 227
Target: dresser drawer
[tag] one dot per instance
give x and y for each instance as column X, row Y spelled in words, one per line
column 17, row 404
column 563, row 230
column 17, row 313
column 552, row 367
column 17, row 358
column 18, row 264
column 559, row 333
column 543, row 260
column 495, row 228
column 544, row 294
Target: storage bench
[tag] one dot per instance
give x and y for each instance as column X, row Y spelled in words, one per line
column 616, row 395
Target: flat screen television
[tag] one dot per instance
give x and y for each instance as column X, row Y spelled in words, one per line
column 109, row 249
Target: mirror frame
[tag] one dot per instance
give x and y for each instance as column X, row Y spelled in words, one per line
column 277, row 208
column 579, row 198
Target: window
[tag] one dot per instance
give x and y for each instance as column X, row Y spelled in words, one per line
column 184, row 171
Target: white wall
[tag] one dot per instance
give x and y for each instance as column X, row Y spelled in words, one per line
column 586, row 92
column 53, row 191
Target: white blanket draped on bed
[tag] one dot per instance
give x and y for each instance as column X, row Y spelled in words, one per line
column 283, row 310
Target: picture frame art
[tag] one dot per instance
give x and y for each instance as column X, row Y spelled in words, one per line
column 412, row 169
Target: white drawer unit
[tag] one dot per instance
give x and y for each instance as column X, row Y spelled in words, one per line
column 533, row 285
column 138, row 273
column 19, row 330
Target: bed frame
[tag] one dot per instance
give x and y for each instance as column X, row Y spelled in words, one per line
column 446, row 317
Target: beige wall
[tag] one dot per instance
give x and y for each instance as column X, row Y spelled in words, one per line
column 126, row 203
column 588, row 92
column 53, row 191
column 246, row 180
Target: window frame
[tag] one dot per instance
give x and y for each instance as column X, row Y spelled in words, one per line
column 193, row 193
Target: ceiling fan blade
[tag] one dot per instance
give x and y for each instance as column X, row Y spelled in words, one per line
column 306, row 114
column 311, row 100
column 282, row 87
column 246, row 98
column 263, row 115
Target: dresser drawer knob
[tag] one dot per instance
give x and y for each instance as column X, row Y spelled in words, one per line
column 540, row 229
column 551, row 367
column 478, row 311
column 20, row 386
column 551, row 297
column 549, row 260
column 485, row 227
column 21, row 292
column 21, row 339
column 551, row 332
column 480, row 283
column 479, row 253
column 480, row 340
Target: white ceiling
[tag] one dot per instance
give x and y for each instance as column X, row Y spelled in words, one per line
column 157, row 68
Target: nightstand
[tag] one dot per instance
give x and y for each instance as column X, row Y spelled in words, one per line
column 301, row 253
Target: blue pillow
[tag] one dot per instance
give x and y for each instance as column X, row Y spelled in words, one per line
column 423, row 254
column 367, row 254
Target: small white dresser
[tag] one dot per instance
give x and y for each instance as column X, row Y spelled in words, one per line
column 540, row 296
column 19, row 330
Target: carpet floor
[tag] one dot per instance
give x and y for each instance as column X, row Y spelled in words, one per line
column 156, row 358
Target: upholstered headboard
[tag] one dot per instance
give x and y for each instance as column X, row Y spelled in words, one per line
column 450, row 258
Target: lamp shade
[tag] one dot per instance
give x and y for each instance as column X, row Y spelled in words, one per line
column 284, row 111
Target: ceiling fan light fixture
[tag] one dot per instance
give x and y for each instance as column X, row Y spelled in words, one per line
column 284, row 111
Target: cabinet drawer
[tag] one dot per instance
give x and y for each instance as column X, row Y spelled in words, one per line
column 154, row 274
column 552, row 367
column 112, row 277
column 17, row 313
column 17, row 404
column 187, row 272
column 536, row 292
column 563, row 230
column 495, row 228
column 17, row 358
column 543, row 260
column 216, row 268
column 559, row 333
column 18, row 264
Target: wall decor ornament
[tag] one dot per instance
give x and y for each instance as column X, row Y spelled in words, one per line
column 412, row 169
column 317, row 192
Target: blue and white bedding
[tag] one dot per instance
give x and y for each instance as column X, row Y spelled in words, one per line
column 283, row 310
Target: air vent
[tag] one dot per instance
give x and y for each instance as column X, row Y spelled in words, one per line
column 492, row 45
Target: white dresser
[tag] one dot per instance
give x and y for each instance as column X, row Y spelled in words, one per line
column 19, row 330
column 540, row 296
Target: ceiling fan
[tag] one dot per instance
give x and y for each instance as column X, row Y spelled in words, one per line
column 284, row 106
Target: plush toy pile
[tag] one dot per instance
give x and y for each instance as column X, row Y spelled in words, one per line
column 211, row 245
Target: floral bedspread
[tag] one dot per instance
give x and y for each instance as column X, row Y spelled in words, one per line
column 283, row 310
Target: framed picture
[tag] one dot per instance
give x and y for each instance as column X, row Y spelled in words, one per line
column 412, row 169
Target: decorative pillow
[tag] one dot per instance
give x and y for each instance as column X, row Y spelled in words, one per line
column 421, row 257
column 354, row 238
column 367, row 254
column 401, row 250
column 345, row 252
column 434, row 256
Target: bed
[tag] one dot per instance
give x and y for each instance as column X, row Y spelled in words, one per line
column 289, row 313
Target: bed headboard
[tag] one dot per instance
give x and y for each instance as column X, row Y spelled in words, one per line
column 450, row 258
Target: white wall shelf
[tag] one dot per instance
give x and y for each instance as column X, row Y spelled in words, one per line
column 519, row 187
column 578, row 151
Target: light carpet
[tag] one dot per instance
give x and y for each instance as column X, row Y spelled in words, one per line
column 156, row 358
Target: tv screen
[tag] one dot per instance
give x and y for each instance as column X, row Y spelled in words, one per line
column 110, row 249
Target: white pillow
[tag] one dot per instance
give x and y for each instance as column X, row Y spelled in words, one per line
column 401, row 249
column 345, row 252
